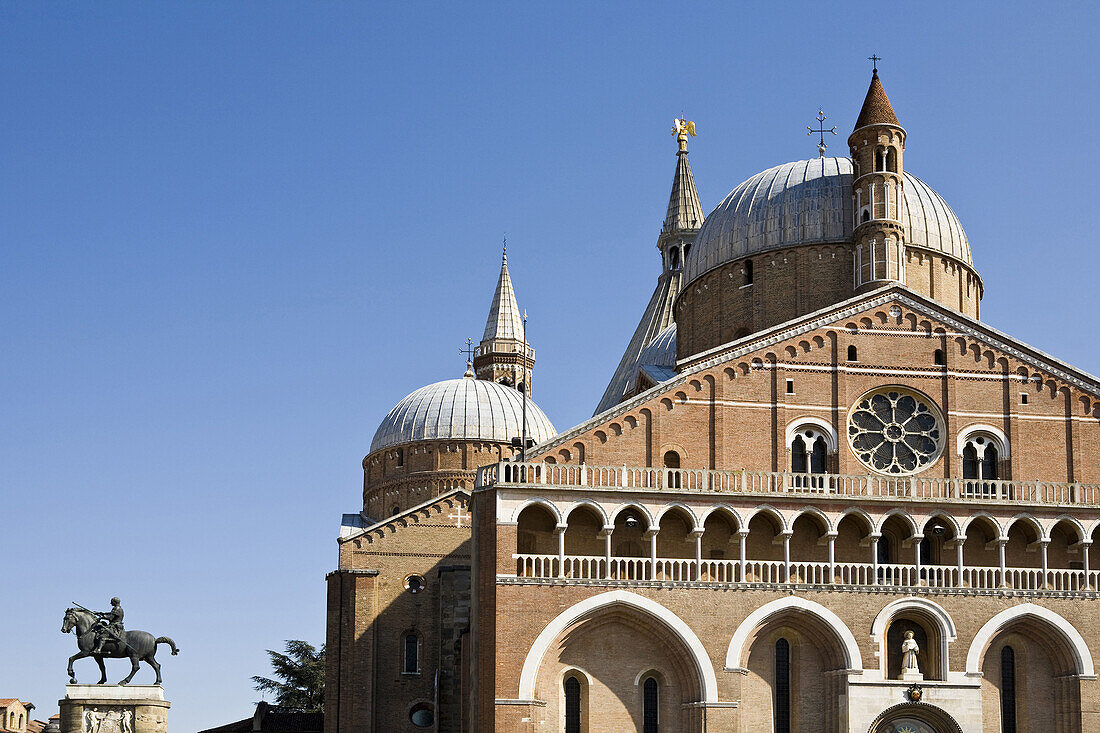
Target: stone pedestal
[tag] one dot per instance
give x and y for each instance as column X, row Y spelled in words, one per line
column 114, row 709
column 908, row 676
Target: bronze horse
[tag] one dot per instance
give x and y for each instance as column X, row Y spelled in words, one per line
column 139, row 646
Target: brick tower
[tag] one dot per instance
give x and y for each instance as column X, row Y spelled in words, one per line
column 877, row 144
column 500, row 356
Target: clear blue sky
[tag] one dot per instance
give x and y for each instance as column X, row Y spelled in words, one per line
column 233, row 235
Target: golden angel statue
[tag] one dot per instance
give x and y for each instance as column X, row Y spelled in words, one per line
column 681, row 129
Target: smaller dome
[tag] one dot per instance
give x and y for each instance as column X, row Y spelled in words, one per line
column 661, row 351
column 469, row 409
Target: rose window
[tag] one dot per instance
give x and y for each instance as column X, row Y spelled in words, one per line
column 895, row 431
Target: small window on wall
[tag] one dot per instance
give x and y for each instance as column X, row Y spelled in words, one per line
column 853, row 355
column 672, row 462
column 572, row 705
column 790, row 386
column 412, row 654
column 1023, row 398
column 1008, row 690
column 747, row 269
column 422, row 715
column 938, row 358
column 782, row 686
column 650, row 700
column 400, row 457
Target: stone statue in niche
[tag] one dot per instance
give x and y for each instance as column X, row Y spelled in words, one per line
column 909, row 649
column 110, row 719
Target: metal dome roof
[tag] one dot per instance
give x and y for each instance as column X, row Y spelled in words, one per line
column 466, row 408
column 810, row 202
column 661, row 351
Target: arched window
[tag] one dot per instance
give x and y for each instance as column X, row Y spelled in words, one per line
column 422, row 715
column 672, row 463
column 748, row 272
column 674, row 258
column 572, row 705
column 400, row 456
column 1008, row 690
column 649, row 705
column 395, row 511
column 866, row 215
column 809, row 447
column 412, row 653
column 892, row 160
column 853, row 354
column 782, row 686
column 938, row 358
column 982, row 449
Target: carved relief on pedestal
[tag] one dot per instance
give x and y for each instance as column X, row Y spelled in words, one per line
column 108, row 719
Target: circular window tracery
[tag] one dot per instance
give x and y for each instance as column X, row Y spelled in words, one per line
column 895, row 430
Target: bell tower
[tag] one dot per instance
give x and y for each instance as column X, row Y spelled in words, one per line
column 876, row 146
column 502, row 356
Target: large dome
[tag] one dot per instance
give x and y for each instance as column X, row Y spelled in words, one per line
column 470, row 409
column 811, row 202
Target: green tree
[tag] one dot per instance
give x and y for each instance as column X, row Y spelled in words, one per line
column 302, row 673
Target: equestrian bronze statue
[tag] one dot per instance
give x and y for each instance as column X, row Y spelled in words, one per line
column 100, row 634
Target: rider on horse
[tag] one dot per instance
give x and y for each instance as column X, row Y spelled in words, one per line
column 110, row 626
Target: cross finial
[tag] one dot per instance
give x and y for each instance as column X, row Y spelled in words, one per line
column 821, row 131
column 506, row 245
column 874, row 59
column 469, row 352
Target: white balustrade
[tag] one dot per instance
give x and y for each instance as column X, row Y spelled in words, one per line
column 912, row 488
column 595, row 567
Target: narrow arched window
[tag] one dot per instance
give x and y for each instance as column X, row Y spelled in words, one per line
column 853, row 354
column 748, row 272
column 572, row 705
column 1008, row 690
column 970, row 462
column 400, row 457
column 782, row 686
column 989, row 463
column 412, row 653
column 798, row 455
column 395, row 511
column 672, row 462
column 817, row 457
column 649, row 705
column 938, row 358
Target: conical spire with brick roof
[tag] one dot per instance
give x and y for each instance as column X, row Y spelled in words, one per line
column 876, row 106
column 683, row 220
column 500, row 355
column 878, row 185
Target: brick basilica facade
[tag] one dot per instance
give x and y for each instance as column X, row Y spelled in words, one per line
column 819, row 494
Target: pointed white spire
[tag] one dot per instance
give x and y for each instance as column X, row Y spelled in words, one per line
column 504, row 317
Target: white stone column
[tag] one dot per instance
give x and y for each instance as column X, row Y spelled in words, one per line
column 874, row 558
column 917, row 539
column 697, row 534
column 1001, row 542
column 831, row 539
column 651, row 535
column 1085, row 562
column 787, row 556
column 607, row 550
column 959, row 542
column 1045, row 563
column 742, row 536
column 560, row 532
